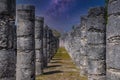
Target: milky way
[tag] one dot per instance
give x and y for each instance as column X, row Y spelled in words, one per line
column 62, row 14
column 58, row 7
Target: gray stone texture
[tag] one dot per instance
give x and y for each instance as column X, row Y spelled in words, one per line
column 39, row 23
column 25, row 42
column 113, row 7
column 113, row 74
column 113, row 40
column 48, row 45
column 7, row 52
column 97, row 77
column 96, row 43
column 83, row 48
column 45, row 46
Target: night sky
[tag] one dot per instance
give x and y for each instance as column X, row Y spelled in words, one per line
column 62, row 14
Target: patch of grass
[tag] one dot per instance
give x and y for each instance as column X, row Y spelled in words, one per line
column 66, row 71
column 62, row 53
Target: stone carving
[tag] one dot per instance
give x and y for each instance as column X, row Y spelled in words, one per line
column 7, row 52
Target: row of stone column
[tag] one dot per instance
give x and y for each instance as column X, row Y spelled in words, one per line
column 90, row 53
column 27, row 47
column 98, row 44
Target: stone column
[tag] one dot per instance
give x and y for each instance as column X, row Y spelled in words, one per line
column 96, row 44
column 52, row 47
column 25, row 42
column 7, row 52
column 76, row 35
column 48, row 45
column 45, row 46
column 83, row 43
column 113, row 41
column 39, row 22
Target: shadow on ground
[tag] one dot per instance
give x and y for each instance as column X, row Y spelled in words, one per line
column 61, row 67
column 55, row 62
column 51, row 66
column 52, row 72
column 56, row 59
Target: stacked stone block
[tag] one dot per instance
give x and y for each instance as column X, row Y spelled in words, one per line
column 45, row 46
column 39, row 23
column 113, row 40
column 7, row 52
column 25, row 42
column 83, row 49
column 96, row 44
column 48, row 45
column 53, row 45
column 76, row 45
column 72, row 44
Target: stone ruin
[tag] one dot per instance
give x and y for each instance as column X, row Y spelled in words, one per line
column 113, row 41
column 25, row 47
column 7, row 49
column 28, row 46
column 97, row 53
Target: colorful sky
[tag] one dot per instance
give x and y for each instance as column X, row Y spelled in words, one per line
column 62, row 14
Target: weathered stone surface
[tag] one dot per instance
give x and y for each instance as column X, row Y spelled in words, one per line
column 25, row 18
column 45, row 46
column 25, row 59
column 48, row 45
column 99, row 77
column 8, row 7
column 113, row 56
column 114, row 7
column 7, row 64
column 96, row 52
column 83, row 48
column 4, row 37
column 96, row 67
column 113, row 74
column 25, row 42
column 7, row 52
column 87, row 45
column 113, row 21
column 83, row 60
column 83, row 65
column 39, row 22
column 96, row 38
column 113, row 40
column 38, row 43
column 24, row 74
column 23, row 31
column 96, row 43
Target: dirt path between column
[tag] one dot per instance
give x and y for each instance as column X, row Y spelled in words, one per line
column 61, row 67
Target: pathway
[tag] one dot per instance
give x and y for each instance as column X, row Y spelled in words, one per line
column 61, row 67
